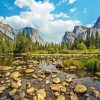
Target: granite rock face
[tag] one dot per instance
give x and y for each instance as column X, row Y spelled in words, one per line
column 81, row 32
column 7, row 30
column 34, row 34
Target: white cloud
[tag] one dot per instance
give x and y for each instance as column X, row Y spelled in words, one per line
column 65, row 1
column 89, row 25
column 21, row 3
column 40, row 17
column 71, row 1
column 61, row 15
column 72, row 10
column 61, row 2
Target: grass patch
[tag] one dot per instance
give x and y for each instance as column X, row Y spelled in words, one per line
column 72, row 62
column 93, row 65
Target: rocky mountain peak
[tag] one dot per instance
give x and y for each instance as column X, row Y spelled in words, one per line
column 10, row 32
column 34, row 34
column 81, row 32
column 97, row 24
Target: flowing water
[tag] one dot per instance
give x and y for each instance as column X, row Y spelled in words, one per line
column 79, row 76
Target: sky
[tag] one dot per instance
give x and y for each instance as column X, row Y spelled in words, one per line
column 51, row 17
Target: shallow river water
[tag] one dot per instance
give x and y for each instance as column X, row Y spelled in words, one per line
column 79, row 77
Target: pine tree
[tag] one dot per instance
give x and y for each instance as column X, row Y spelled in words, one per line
column 97, row 40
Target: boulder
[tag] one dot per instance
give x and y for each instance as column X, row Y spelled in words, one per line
column 59, row 66
column 72, row 68
column 5, row 68
column 53, row 76
column 56, row 87
column 41, row 92
column 74, row 97
column 34, row 76
column 61, row 97
column 47, row 71
column 97, row 74
column 47, row 82
column 30, row 90
column 16, row 85
column 68, row 79
column 27, row 71
column 63, row 89
column 15, row 75
column 18, row 68
column 56, row 94
column 12, row 92
column 56, row 80
column 2, row 89
column 40, row 97
column 80, row 88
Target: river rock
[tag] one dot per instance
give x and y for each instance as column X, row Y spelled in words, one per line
column 27, row 71
column 22, row 94
column 56, row 80
column 72, row 68
column 40, row 97
column 96, row 94
column 19, row 68
column 61, row 97
column 65, row 84
column 35, row 62
column 56, row 87
column 5, row 68
column 15, row 75
column 91, row 98
column 47, row 71
column 7, row 74
column 34, row 76
column 16, row 85
column 35, row 98
column 63, row 89
column 47, row 82
column 30, row 90
column 41, row 92
column 59, row 66
column 2, row 89
column 80, row 88
column 73, row 97
column 97, row 74
column 53, row 76
column 56, row 94
column 68, row 79
column 12, row 92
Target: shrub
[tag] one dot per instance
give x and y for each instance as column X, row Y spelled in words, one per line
column 81, row 46
column 72, row 62
column 93, row 65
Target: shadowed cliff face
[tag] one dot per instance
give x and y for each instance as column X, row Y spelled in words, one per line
column 10, row 32
column 97, row 24
column 34, row 34
column 81, row 32
column 7, row 30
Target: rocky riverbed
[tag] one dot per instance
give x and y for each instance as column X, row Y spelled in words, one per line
column 32, row 79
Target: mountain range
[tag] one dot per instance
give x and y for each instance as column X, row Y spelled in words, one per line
column 81, row 32
column 7, row 30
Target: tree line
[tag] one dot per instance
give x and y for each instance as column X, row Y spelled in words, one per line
column 91, row 42
column 23, row 43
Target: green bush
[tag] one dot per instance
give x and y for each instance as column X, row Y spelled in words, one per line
column 72, row 62
column 93, row 65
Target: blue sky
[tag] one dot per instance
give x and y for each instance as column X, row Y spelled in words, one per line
column 51, row 17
